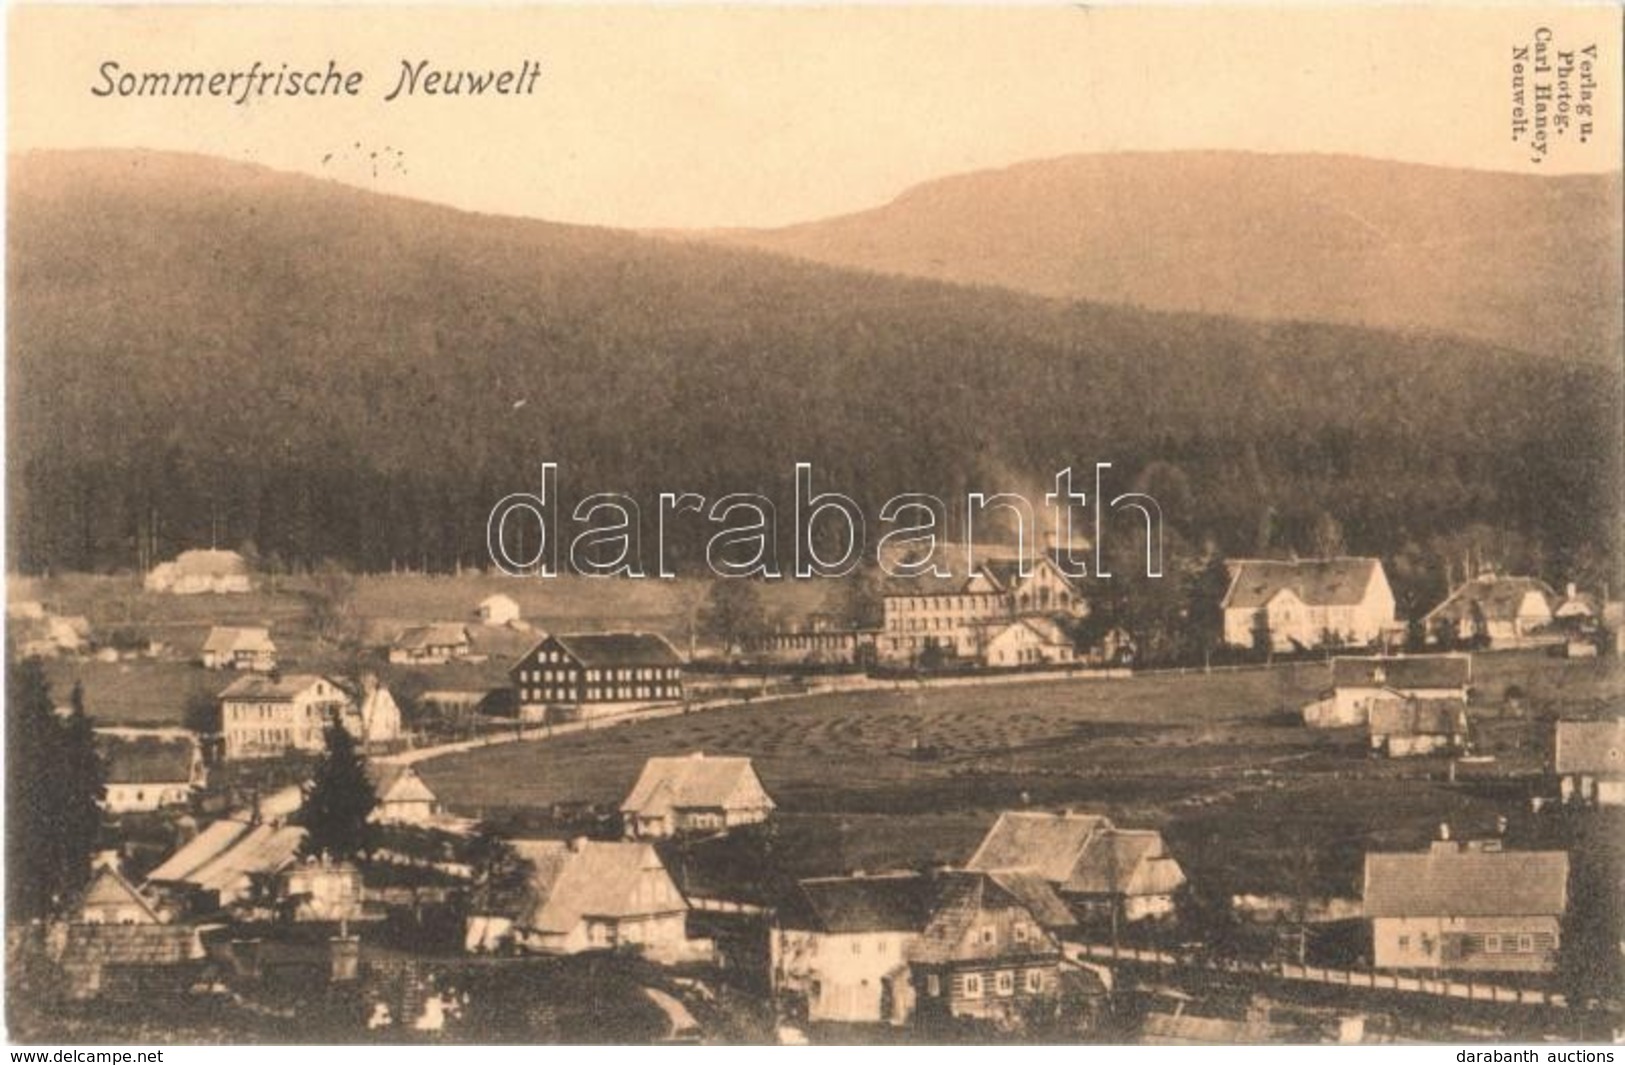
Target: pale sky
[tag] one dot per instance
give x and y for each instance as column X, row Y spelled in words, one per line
column 704, row 116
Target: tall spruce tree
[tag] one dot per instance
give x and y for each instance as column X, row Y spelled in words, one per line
column 54, row 783
column 340, row 799
column 733, row 611
column 84, row 786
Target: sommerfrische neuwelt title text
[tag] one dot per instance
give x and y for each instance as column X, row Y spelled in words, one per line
column 261, row 81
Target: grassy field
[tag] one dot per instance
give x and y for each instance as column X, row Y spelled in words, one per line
column 906, row 776
column 1212, row 760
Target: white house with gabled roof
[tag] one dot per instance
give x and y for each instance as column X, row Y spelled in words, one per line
column 694, row 793
column 1307, row 603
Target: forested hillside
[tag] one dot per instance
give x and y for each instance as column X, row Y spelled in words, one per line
column 212, row 350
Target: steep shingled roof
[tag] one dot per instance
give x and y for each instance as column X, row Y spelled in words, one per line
column 274, row 688
column 227, row 639
column 224, row 854
column 392, row 782
column 210, row 563
column 1121, row 862
column 147, row 759
column 1034, row 894
column 1451, row 880
column 993, row 561
column 1079, row 854
column 608, row 650
column 1496, row 598
column 693, row 781
column 427, row 637
column 1418, row 717
column 961, row 899
column 109, row 888
column 1046, row 843
column 1006, row 571
column 887, row 902
column 1404, row 673
column 1316, row 581
column 1045, row 629
column 587, row 878
column 927, row 584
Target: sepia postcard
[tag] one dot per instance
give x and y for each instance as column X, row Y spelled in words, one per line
column 618, row 523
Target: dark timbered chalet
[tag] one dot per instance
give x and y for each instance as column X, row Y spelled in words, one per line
column 567, row 677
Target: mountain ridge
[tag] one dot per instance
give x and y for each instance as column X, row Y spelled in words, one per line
column 1307, row 239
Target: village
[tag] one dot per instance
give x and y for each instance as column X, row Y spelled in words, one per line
column 957, row 807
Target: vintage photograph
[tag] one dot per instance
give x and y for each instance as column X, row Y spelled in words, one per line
column 814, row 525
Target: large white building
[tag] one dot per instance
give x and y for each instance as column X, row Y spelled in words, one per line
column 959, row 617
column 201, row 573
column 1307, row 603
column 261, row 717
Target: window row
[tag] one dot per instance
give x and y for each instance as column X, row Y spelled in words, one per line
column 643, row 673
column 961, row 604
column 1001, row 983
column 600, row 693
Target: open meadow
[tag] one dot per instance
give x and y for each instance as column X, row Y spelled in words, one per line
column 914, row 774
column 1218, row 761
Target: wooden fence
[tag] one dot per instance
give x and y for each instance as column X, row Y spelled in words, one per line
column 1470, row 990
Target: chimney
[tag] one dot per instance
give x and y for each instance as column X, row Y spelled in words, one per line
column 1570, row 591
column 344, row 956
column 1444, row 831
column 578, row 844
column 697, row 755
column 245, row 955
